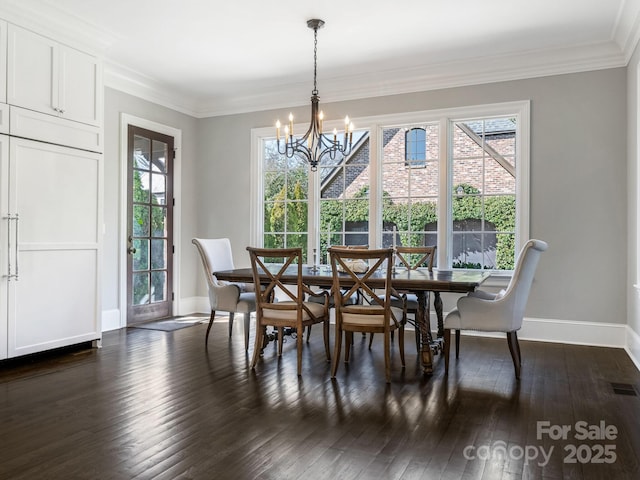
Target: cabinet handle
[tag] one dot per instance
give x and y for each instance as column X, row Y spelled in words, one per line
column 17, row 219
column 9, row 218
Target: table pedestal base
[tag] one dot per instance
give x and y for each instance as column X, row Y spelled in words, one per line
column 428, row 345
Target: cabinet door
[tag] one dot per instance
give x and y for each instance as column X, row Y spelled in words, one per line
column 32, row 80
column 3, row 61
column 4, row 239
column 80, row 93
column 55, row 300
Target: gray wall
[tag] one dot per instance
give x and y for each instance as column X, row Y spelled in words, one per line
column 117, row 103
column 578, row 181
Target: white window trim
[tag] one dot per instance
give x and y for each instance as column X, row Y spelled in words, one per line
column 375, row 124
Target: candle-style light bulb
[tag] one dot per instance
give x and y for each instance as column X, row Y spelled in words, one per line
column 291, row 124
column 335, row 135
column 320, row 118
column 278, row 130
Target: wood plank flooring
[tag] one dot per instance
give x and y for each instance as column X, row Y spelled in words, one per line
column 158, row 405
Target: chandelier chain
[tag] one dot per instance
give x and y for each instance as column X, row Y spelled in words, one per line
column 315, row 61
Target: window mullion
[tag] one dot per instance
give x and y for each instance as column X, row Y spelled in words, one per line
column 445, row 215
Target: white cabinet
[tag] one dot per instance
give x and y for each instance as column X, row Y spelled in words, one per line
column 52, row 78
column 6, row 265
column 51, row 239
column 50, row 195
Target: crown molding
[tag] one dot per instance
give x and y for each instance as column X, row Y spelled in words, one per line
column 626, row 32
column 47, row 19
column 390, row 82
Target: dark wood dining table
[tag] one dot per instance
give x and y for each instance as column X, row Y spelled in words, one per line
column 419, row 281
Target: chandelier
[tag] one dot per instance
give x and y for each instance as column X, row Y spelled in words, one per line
column 314, row 145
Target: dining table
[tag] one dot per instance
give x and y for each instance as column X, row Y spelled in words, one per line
column 419, row 281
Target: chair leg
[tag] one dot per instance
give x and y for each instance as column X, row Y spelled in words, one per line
column 299, row 339
column 446, row 349
column 336, row 352
column 258, row 345
column 206, row 338
column 280, row 340
column 370, row 340
column 247, row 321
column 387, row 357
column 230, row 323
column 347, row 346
column 327, row 349
column 401, row 344
column 514, row 348
column 308, row 333
column 457, row 343
column 417, row 331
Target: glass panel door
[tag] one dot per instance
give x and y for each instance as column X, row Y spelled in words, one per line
column 149, row 239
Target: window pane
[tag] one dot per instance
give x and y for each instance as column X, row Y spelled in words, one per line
column 141, row 152
column 158, row 286
column 140, row 288
column 141, row 256
column 297, row 218
column 158, row 221
column 141, row 181
column 483, row 197
column 409, row 194
column 158, row 254
column 140, row 221
column 159, row 158
column 158, row 187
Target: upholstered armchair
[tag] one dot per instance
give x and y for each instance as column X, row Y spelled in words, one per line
column 501, row 312
column 216, row 256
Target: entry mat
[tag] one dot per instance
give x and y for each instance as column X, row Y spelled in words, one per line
column 172, row 324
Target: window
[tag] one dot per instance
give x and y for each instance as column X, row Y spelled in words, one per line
column 285, row 203
column 469, row 197
column 415, row 147
column 410, row 196
column 483, row 201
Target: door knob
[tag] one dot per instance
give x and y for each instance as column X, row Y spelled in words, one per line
column 131, row 250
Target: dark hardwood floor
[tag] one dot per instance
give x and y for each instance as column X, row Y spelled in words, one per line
column 152, row 404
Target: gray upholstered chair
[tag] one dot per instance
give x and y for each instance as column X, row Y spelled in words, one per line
column 225, row 296
column 501, row 312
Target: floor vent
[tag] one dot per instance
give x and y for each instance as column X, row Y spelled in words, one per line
column 624, row 389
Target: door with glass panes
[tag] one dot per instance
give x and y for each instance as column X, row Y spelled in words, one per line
column 149, row 236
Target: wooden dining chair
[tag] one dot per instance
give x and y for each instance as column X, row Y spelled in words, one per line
column 376, row 315
column 413, row 258
column 269, row 265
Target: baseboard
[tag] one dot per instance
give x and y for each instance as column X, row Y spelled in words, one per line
column 191, row 305
column 632, row 346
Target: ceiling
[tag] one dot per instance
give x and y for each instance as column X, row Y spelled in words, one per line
column 209, row 57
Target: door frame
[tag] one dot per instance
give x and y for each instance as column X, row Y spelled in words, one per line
column 125, row 121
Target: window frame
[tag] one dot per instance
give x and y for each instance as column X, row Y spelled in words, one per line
column 375, row 124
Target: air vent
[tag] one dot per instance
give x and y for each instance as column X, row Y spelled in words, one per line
column 624, row 389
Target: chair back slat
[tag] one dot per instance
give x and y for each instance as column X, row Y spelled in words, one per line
column 415, row 257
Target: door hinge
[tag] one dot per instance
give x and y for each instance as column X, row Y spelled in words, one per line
column 173, row 296
column 173, row 249
column 173, row 202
